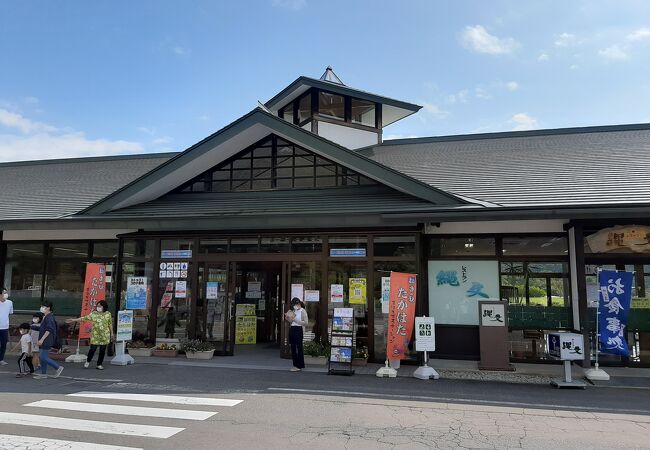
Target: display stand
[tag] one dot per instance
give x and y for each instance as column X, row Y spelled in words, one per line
column 342, row 339
column 121, row 357
column 124, row 333
column 566, row 347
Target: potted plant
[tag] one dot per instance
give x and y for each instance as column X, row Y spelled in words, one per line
column 315, row 353
column 197, row 349
column 360, row 356
column 139, row 348
column 165, row 350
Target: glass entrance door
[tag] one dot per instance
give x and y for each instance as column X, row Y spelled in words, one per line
column 213, row 309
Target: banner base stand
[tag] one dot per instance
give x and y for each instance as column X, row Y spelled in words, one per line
column 121, row 358
column 426, row 373
column 76, row 358
column 386, row 372
column 568, row 382
column 596, row 374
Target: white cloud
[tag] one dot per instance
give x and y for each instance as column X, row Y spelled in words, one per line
column 42, row 141
column 460, row 97
column 613, row 52
column 543, row 57
column 204, row 118
column 162, row 140
column 30, row 100
column 482, row 93
column 181, row 51
column 574, row 67
column 434, row 110
column 565, row 40
column 523, row 121
column 147, row 130
column 478, row 39
column 638, row 35
column 9, row 119
column 289, row 4
column 512, row 85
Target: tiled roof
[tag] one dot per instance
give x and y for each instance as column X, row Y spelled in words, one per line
column 57, row 188
column 583, row 166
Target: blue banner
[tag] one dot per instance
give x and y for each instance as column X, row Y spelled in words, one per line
column 615, row 301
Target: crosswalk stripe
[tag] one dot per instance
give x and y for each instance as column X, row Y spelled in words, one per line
column 124, row 410
column 127, row 429
column 176, row 399
column 27, row 442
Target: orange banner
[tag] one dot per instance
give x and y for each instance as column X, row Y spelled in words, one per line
column 403, row 287
column 94, row 292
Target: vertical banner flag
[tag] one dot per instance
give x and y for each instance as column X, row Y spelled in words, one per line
column 615, row 300
column 403, row 288
column 94, row 292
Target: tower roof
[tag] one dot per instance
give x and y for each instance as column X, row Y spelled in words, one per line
column 330, row 76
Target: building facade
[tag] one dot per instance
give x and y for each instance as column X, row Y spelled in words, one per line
column 302, row 194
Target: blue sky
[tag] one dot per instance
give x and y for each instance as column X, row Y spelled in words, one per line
column 81, row 78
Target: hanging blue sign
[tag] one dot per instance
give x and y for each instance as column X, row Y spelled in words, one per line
column 615, row 301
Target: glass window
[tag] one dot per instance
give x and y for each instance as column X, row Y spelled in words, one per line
column 274, row 245
column 24, row 280
column 244, row 245
column 442, row 247
column 383, row 269
column 211, row 311
column 306, row 244
column 331, row 105
column 64, row 283
column 394, row 245
column 138, row 248
column 143, row 319
column 24, row 250
column 213, row 246
column 287, row 112
column 105, row 249
column 176, row 244
column 351, row 275
column 174, row 309
column 522, row 246
column 347, row 242
column 68, row 249
column 304, row 108
column 363, row 112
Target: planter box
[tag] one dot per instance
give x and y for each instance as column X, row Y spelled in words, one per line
column 359, row 362
column 206, row 354
column 164, row 353
column 140, row 351
column 315, row 360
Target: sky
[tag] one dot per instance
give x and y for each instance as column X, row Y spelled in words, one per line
column 81, row 78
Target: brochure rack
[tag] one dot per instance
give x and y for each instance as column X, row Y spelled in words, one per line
column 342, row 340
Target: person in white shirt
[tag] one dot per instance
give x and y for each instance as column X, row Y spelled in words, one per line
column 6, row 308
column 298, row 319
column 26, row 349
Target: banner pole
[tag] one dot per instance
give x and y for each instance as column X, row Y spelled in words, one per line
column 597, row 374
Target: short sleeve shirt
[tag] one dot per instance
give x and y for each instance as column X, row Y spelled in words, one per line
column 102, row 323
column 25, row 340
column 6, row 308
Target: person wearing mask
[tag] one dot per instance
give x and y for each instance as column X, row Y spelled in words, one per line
column 47, row 338
column 6, row 308
column 297, row 317
column 37, row 317
column 102, row 333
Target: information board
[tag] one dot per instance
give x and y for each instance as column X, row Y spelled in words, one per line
column 425, row 335
column 124, row 325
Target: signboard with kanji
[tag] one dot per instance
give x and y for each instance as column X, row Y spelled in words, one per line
column 566, row 346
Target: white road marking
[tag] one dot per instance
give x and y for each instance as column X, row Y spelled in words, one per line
column 124, row 410
column 176, row 399
column 95, row 426
column 25, row 442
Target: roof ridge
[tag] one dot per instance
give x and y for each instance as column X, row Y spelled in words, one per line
column 37, row 162
column 515, row 134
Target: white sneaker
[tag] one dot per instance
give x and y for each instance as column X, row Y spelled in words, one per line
column 40, row 377
column 3, row 363
column 100, row 367
column 294, row 369
column 58, row 372
column 86, row 365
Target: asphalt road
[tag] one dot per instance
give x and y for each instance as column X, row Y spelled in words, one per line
column 282, row 409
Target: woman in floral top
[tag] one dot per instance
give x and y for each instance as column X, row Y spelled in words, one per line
column 102, row 333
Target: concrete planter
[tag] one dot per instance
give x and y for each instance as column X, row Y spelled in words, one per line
column 165, row 353
column 359, row 362
column 206, row 354
column 315, row 360
column 141, row 351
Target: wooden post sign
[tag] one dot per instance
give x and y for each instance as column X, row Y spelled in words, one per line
column 493, row 335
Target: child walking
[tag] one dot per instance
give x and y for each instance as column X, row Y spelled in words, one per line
column 35, row 328
column 25, row 360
